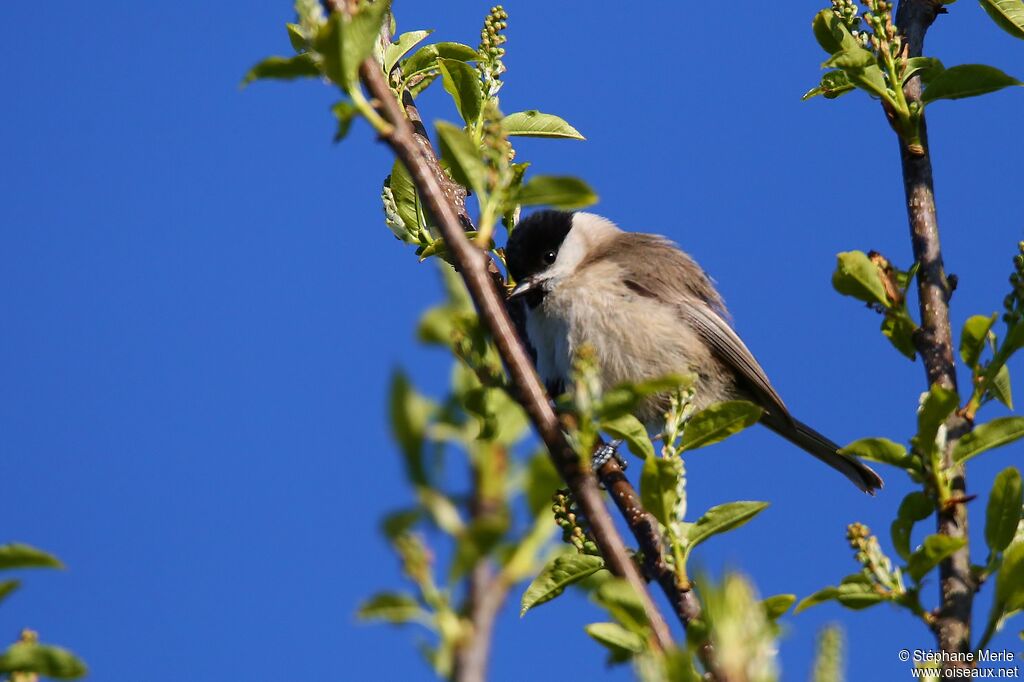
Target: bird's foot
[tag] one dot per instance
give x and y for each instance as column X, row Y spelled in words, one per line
column 605, row 453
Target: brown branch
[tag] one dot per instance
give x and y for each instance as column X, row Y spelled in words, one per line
column 934, row 341
column 489, row 301
column 487, row 594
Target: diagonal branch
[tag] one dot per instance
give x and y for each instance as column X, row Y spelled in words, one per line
column 935, row 342
column 472, row 264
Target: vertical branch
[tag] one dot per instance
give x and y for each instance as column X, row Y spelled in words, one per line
column 472, row 264
column 935, row 342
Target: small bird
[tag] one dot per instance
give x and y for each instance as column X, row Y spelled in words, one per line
column 648, row 310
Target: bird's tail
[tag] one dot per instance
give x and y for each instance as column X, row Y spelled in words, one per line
column 824, row 449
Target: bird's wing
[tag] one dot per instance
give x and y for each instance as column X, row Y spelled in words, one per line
column 728, row 346
column 682, row 283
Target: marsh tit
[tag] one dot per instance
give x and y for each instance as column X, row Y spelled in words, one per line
column 648, row 310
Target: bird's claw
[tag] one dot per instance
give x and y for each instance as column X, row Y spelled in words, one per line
column 605, row 453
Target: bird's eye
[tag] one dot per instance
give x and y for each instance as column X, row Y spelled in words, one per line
column 549, row 257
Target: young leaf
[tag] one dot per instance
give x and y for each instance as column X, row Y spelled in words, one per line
column 850, row 58
column 391, row 607
column 345, row 112
column 934, row 549
column 7, row 587
column 463, row 157
column 924, row 67
column 899, row 329
column 346, row 41
column 1008, row 15
column 722, row 518
column 967, row 80
column 283, row 68
column 987, row 436
column 17, row 555
column 774, row 607
column 858, row 595
column 857, row 276
column 1010, row 582
column 558, row 574
column 533, row 123
column 560, row 192
column 401, row 47
column 622, row 643
column 621, row 601
column 831, row 33
column 999, row 387
column 623, row 398
column 42, row 659
column 938, row 404
column 881, row 450
column 916, row 506
column 658, row 488
column 628, row 428
column 972, row 338
column 832, row 85
column 426, row 57
column 409, row 415
column 296, row 37
column 718, row 422
column 1003, row 514
column 542, row 480
column 462, row 82
column 819, row 597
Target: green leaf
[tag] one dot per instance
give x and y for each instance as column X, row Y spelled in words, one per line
column 283, row 68
column 966, row 80
column 850, row 58
column 558, row 574
column 622, row 643
column 658, row 482
column 17, row 555
column 346, row 41
column 1003, row 514
column 915, row 507
column 774, row 607
column 623, row 398
column 42, row 659
column 999, row 387
column 927, row 68
column 462, row 82
column 391, row 607
column 7, row 587
column 1008, row 15
column 409, row 415
column 404, row 192
column 881, row 450
column 628, row 428
column 832, row 85
column 295, row 37
column 621, row 601
column 542, row 480
column 987, row 436
column 857, row 276
column 482, row 535
column 831, row 33
column 858, row 595
column 938, row 404
column 934, row 549
column 1010, row 580
column 819, row 597
column 463, row 157
column 972, row 338
column 533, row 123
column 899, row 329
column 719, row 421
column 400, row 47
column 560, row 192
column 426, row 57
column 720, row 519
column 345, row 112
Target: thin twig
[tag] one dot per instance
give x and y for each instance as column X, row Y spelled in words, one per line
column 934, row 341
column 472, row 264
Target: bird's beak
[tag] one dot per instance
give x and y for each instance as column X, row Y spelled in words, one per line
column 528, row 284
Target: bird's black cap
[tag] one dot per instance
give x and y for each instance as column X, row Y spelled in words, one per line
column 532, row 238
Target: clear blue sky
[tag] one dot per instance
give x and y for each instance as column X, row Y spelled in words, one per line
column 200, row 307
